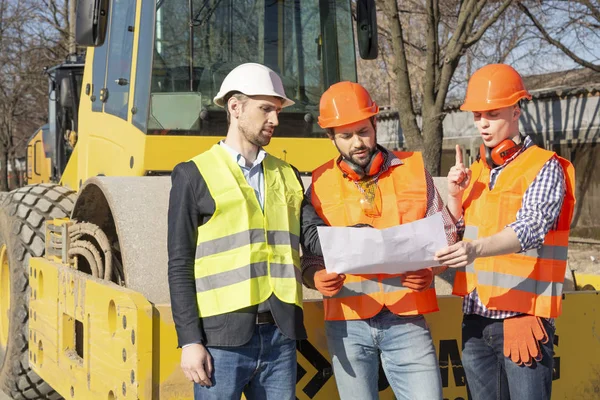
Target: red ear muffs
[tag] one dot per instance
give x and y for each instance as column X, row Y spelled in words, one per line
column 495, row 157
column 356, row 172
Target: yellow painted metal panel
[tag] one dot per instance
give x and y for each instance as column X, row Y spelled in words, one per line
column 111, row 146
column 69, row 176
column 587, row 282
column 153, row 360
column 577, row 354
column 164, row 152
column 38, row 165
column 446, row 326
column 89, row 339
column 577, row 348
column 576, row 360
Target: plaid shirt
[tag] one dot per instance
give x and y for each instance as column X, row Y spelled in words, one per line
column 434, row 205
column 539, row 212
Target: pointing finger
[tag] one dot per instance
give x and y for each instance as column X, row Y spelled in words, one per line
column 459, row 156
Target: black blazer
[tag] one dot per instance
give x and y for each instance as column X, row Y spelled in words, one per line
column 191, row 205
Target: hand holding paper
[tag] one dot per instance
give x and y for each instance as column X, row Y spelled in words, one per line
column 328, row 284
column 417, row 280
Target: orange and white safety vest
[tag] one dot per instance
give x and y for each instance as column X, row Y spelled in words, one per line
column 403, row 199
column 528, row 282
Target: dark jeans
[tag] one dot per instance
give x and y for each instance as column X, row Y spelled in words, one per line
column 490, row 375
column 262, row 369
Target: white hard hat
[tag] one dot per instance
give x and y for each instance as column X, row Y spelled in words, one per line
column 252, row 79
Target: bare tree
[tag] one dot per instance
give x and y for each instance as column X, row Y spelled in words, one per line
column 12, row 85
column 55, row 28
column 573, row 26
column 27, row 45
column 432, row 36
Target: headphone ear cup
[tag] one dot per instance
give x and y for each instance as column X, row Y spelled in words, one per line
column 504, row 150
column 485, row 156
column 375, row 164
column 496, row 154
column 495, row 157
column 354, row 172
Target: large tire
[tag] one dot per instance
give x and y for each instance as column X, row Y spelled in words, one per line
column 22, row 233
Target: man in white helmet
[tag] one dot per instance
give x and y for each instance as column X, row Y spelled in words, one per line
column 236, row 218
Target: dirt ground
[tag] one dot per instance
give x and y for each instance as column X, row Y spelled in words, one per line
column 584, row 258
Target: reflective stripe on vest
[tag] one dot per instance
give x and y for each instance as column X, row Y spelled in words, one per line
column 531, row 281
column 404, row 199
column 365, row 286
column 246, row 272
column 243, row 254
column 245, row 238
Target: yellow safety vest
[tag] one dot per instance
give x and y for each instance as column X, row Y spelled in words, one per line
column 243, row 254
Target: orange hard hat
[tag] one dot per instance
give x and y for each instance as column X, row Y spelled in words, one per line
column 345, row 103
column 494, row 86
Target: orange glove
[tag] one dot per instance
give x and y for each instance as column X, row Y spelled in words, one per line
column 328, row 284
column 417, row 280
column 522, row 335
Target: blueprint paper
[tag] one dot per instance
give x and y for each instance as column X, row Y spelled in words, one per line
column 402, row 248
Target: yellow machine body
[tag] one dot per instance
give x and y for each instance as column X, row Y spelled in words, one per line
column 38, row 165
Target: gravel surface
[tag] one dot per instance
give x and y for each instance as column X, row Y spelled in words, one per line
column 584, row 258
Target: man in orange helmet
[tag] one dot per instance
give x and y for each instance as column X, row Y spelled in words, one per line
column 517, row 202
column 368, row 317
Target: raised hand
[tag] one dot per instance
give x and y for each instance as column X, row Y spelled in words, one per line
column 459, row 176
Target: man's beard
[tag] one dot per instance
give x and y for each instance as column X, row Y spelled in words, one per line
column 256, row 139
column 355, row 160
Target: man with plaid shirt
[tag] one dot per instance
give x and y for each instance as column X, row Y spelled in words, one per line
column 517, row 202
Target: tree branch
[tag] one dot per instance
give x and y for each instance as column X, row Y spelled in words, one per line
column 484, row 27
column 594, row 10
column 555, row 42
column 431, row 62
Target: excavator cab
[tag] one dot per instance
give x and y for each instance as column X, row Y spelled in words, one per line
column 50, row 147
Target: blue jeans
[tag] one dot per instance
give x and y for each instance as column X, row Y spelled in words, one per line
column 407, row 356
column 262, row 369
column 490, row 375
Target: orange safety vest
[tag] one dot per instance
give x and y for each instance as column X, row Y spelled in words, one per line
column 403, row 199
column 529, row 282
